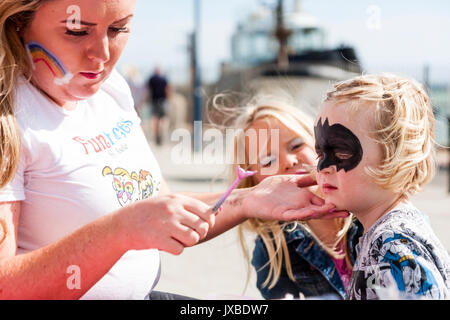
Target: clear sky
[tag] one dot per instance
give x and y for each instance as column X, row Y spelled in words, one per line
column 398, row 36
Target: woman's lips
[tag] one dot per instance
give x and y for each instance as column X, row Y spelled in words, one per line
column 327, row 188
column 91, row 75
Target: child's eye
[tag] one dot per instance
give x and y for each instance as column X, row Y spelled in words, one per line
column 75, row 33
column 267, row 161
column 343, row 155
column 296, row 143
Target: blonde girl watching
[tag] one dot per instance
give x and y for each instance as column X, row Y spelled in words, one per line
column 310, row 258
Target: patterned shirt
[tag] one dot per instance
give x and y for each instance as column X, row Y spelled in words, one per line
column 400, row 257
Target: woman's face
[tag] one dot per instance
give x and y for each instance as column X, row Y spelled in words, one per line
column 282, row 153
column 82, row 40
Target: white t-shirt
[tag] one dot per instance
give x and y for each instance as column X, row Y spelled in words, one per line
column 79, row 165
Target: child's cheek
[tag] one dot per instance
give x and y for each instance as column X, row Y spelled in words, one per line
column 319, row 180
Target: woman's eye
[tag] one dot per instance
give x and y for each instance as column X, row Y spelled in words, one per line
column 119, row 30
column 343, row 156
column 75, row 33
column 267, row 161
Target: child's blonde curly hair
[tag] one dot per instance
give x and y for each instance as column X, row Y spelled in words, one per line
column 403, row 125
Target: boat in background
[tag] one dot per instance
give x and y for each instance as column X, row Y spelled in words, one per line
column 311, row 67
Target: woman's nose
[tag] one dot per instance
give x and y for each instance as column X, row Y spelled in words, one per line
column 99, row 50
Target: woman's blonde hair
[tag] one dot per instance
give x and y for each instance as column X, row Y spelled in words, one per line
column 240, row 112
column 15, row 15
column 403, row 126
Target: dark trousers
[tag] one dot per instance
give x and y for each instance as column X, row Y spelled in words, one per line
column 158, row 295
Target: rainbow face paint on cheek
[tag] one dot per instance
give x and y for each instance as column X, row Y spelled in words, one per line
column 39, row 54
column 337, row 146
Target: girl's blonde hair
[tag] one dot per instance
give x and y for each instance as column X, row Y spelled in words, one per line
column 15, row 15
column 403, row 126
column 239, row 112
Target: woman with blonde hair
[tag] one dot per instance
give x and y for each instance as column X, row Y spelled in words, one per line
column 303, row 259
column 65, row 115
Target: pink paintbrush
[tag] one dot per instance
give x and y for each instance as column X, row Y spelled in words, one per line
column 241, row 174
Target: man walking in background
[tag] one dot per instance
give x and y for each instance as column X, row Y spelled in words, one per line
column 159, row 92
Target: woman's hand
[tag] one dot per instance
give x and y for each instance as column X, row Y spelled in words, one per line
column 167, row 223
column 286, row 198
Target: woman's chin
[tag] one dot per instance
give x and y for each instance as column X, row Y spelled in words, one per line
column 85, row 92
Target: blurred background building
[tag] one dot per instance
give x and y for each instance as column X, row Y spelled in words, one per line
column 238, row 41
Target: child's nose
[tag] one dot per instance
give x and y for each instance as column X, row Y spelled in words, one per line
column 328, row 169
column 291, row 161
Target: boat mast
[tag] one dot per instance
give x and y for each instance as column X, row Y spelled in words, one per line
column 282, row 34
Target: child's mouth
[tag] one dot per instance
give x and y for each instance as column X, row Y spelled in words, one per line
column 328, row 188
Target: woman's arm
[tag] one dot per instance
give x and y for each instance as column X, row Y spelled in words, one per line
column 167, row 223
column 43, row 273
column 283, row 198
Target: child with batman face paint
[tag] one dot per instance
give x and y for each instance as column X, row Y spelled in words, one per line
column 374, row 140
column 305, row 258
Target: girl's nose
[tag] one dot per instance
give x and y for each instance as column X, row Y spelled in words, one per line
column 291, row 161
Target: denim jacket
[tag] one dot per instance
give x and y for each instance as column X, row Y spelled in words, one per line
column 313, row 268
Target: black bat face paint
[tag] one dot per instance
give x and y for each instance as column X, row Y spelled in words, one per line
column 336, row 145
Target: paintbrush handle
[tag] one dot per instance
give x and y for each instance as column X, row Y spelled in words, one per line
column 225, row 196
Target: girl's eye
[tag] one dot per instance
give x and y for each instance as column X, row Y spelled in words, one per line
column 267, row 161
column 343, row 156
column 296, row 143
column 75, row 33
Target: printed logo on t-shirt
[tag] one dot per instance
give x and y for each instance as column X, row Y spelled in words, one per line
column 111, row 140
column 130, row 187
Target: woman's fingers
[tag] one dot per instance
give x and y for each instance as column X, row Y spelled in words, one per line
column 315, row 200
column 195, row 223
column 314, row 212
column 199, row 209
column 304, row 181
column 186, row 235
column 334, row 214
column 167, row 222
